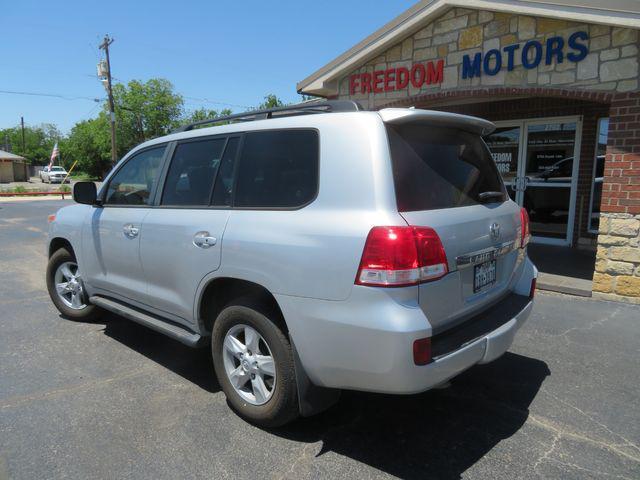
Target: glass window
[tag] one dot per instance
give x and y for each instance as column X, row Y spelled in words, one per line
column 278, row 169
column 598, row 175
column 133, row 184
column 192, row 171
column 224, row 180
column 436, row 167
column 504, row 144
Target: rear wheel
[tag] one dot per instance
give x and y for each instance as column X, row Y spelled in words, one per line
column 254, row 364
column 64, row 283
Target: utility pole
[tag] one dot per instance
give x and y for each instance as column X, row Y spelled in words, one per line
column 112, row 111
column 24, row 150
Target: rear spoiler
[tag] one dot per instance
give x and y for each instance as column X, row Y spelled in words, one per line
column 400, row 116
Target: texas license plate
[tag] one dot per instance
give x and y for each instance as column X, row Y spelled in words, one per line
column 484, row 275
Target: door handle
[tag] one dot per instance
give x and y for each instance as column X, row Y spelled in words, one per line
column 130, row 230
column 204, row 240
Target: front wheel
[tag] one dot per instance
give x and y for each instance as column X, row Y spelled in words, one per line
column 254, row 364
column 64, row 283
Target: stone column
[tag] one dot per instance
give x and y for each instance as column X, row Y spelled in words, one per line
column 617, row 275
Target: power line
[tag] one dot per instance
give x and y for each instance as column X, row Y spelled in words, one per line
column 54, row 95
column 216, row 102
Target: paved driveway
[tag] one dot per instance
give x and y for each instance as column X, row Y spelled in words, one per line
column 115, row 400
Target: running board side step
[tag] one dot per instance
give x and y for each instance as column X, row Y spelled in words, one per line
column 155, row 323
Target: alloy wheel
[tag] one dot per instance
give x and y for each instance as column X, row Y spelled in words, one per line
column 249, row 364
column 69, row 285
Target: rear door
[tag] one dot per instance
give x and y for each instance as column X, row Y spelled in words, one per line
column 182, row 237
column 446, row 179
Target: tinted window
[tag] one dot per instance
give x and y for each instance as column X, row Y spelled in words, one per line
column 136, row 180
column 192, row 172
column 224, row 180
column 278, row 169
column 436, row 167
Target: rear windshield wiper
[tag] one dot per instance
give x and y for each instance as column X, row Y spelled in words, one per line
column 489, row 195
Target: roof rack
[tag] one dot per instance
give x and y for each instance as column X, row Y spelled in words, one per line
column 304, row 108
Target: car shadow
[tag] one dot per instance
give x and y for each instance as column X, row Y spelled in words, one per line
column 437, row 434
column 193, row 364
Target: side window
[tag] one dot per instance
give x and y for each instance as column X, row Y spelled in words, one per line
column 135, row 181
column 224, row 180
column 191, row 173
column 278, row 169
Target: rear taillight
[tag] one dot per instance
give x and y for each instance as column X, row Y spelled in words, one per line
column 525, row 232
column 401, row 256
column 422, row 351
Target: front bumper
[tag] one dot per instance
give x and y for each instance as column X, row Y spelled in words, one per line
column 365, row 343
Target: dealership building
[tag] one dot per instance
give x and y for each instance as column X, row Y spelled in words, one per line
column 559, row 80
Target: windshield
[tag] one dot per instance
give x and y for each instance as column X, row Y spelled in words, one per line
column 439, row 167
column 57, row 169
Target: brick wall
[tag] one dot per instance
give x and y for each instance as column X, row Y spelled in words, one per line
column 617, row 273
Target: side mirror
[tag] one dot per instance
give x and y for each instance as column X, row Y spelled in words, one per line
column 85, row 192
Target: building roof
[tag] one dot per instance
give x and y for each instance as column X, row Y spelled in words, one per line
column 624, row 13
column 10, row 156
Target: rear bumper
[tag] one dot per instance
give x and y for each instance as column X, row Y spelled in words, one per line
column 365, row 343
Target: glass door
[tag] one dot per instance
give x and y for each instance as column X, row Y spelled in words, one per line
column 536, row 160
column 504, row 144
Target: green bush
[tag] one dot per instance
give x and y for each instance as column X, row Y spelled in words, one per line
column 65, row 188
column 19, row 189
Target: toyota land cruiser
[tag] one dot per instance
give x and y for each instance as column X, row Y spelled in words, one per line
column 315, row 248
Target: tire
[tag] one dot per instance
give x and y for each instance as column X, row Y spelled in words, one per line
column 281, row 407
column 69, row 309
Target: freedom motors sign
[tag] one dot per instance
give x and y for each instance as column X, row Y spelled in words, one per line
column 531, row 54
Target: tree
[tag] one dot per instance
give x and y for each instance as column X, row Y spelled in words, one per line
column 89, row 143
column 271, row 101
column 144, row 111
column 204, row 114
column 39, row 141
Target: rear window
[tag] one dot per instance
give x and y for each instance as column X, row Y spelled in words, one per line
column 438, row 167
column 278, row 169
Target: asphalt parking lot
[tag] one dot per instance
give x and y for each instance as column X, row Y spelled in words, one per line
column 115, row 400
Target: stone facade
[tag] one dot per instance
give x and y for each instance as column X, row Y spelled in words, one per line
column 610, row 65
column 617, row 275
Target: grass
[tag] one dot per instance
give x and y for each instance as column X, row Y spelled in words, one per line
column 83, row 177
column 18, row 189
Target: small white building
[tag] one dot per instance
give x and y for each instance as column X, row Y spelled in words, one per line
column 13, row 168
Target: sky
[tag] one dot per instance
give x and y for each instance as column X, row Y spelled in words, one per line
column 232, row 52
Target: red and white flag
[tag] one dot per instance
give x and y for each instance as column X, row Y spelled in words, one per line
column 54, row 154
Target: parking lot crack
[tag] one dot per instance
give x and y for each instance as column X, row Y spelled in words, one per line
column 562, row 432
column 626, row 441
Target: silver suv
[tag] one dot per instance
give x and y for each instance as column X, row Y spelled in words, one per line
column 315, row 248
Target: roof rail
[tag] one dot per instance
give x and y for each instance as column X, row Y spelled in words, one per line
column 304, row 108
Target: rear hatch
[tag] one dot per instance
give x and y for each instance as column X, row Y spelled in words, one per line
column 445, row 179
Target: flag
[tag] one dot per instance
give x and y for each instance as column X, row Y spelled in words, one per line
column 54, row 154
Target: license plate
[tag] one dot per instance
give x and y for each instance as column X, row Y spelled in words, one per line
column 484, row 275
